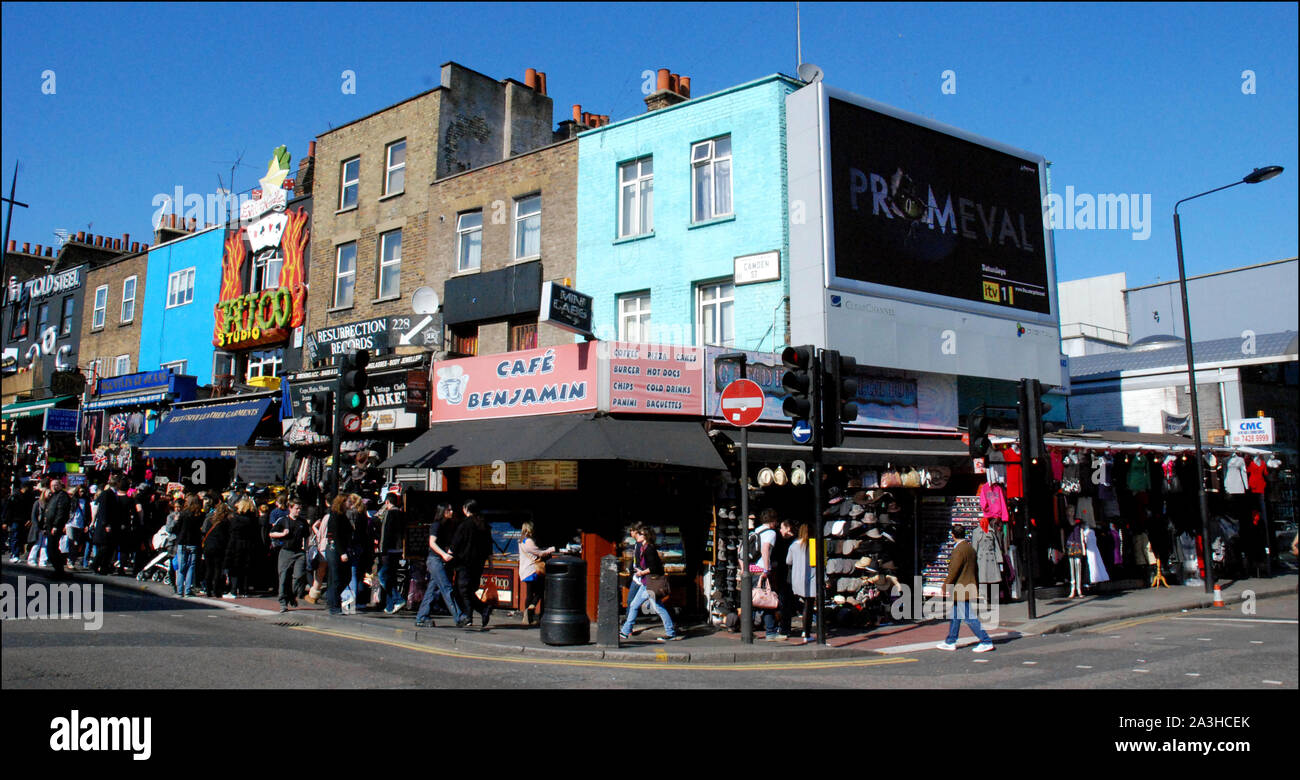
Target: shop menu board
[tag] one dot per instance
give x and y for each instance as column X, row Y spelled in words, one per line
column 668, row 540
column 937, row 516
column 656, row 379
column 526, row 475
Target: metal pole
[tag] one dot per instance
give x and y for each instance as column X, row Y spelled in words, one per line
column 1196, row 415
column 747, row 579
column 1026, row 487
column 336, row 439
column 815, row 367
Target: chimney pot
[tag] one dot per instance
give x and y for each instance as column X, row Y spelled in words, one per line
column 49, row 251
column 577, row 112
column 144, row 246
column 664, row 79
column 194, row 224
column 126, row 238
column 530, row 78
column 686, row 86
column 13, row 245
column 135, row 246
column 81, row 236
column 27, row 247
column 674, row 83
column 38, row 250
column 311, row 148
column 541, row 83
column 117, row 245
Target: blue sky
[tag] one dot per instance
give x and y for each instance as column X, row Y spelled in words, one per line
column 1122, row 98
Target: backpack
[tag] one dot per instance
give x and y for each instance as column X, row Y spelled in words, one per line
column 756, row 544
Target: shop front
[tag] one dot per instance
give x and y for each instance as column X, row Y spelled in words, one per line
column 43, row 436
column 119, row 412
column 200, row 443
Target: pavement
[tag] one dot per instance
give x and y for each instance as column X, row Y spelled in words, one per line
column 507, row 636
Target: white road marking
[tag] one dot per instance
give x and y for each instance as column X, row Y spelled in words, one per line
column 1256, row 642
column 1083, row 667
column 1204, row 639
column 1157, row 637
column 1143, row 671
column 1030, row 663
column 981, row 660
column 1241, row 620
column 1142, row 660
column 1193, row 674
column 1272, row 682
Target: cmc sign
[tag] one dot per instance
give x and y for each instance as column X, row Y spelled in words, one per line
column 1253, row 430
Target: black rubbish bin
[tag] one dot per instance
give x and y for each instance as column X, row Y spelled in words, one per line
column 564, row 620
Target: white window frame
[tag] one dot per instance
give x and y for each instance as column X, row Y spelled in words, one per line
column 177, row 365
column 259, row 276
column 100, row 318
column 121, row 365
column 227, row 356
column 641, row 185
column 338, row 276
column 383, row 266
column 701, row 304
column 390, row 168
column 96, row 367
column 345, row 183
column 463, row 234
column 125, row 300
column 179, row 283
column 66, row 315
column 274, row 358
column 711, row 160
column 640, row 316
column 519, row 220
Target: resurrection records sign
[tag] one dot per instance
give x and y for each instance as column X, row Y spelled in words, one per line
column 920, row 210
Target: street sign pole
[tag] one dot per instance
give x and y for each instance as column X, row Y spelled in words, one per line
column 815, row 369
column 336, row 439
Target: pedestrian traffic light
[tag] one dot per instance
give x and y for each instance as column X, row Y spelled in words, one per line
column 839, row 397
column 353, row 381
column 1032, row 411
column 977, row 426
column 322, row 414
column 801, row 394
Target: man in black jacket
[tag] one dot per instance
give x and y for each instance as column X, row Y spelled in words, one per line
column 391, row 535
column 107, row 526
column 57, row 511
column 470, row 548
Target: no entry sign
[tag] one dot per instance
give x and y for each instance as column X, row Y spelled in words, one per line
column 742, row 403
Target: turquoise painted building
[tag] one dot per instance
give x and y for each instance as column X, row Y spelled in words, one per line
column 182, row 284
column 667, row 202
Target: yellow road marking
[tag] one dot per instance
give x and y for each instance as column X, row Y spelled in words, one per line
column 1109, row 627
column 659, row 656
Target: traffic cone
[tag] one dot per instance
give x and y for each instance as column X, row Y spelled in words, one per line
column 1218, row 596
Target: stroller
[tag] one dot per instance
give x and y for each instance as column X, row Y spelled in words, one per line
column 159, row 569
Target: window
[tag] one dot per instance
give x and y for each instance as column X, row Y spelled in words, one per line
column 349, row 182
column 96, row 368
column 180, row 288
column 523, row 337
column 636, row 183
column 469, row 241
column 265, row 363
column 395, row 168
column 345, row 274
column 42, row 319
column 390, row 264
column 464, row 340
column 176, row 366
column 528, row 227
column 128, row 299
column 634, row 317
column 122, row 366
column 65, row 325
column 18, row 330
column 711, row 179
column 713, row 323
column 101, row 307
column 223, row 365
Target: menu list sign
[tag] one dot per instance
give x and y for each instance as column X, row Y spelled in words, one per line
column 526, row 475
column 656, row 379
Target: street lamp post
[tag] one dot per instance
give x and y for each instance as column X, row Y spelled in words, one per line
column 1254, row 177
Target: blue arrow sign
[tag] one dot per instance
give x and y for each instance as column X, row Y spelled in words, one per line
column 801, row 432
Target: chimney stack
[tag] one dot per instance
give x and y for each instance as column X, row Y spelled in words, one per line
column 49, row 251
column 671, row 89
column 306, row 171
column 13, row 245
column 81, row 236
column 27, row 247
column 38, row 251
column 530, row 78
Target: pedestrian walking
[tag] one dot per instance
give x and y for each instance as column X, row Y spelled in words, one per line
column 471, row 548
column 36, row 554
column 58, row 510
column 18, row 514
column 338, row 534
column 441, row 531
column 244, row 543
column 216, row 539
column 532, row 570
column 647, row 568
column 108, row 522
column 189, row 536
column 963, row 582
column 803, row 575
column 392, row 533
column 291, row 531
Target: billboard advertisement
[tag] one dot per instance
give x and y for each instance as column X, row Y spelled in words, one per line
column 917, row 246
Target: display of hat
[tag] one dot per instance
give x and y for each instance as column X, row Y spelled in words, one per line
column 778, row 476
column 837, row 528
column 846, row 508
column 861, row 497
column 893, row 507
column 834, row 495
column 854, row 526
column 852, row 601
column 885, row 520
column 886, row 535
column 847, row 547
column 798, row 477
column 839, row 599
column 854, row 484
column 869, row 518
column 765, row 477
column 874, row 533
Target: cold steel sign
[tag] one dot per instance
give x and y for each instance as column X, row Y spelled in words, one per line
column 918, row 209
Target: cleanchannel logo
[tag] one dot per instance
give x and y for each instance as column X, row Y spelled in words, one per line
column 124, row 734
column 53, row 601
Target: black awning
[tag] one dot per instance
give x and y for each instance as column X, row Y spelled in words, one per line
column 858, row 448
column 559, row 437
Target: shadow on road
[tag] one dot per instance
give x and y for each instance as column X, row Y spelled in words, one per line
column 121, row 594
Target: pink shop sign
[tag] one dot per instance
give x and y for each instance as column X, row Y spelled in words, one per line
column 656, row 379
column 516, row 384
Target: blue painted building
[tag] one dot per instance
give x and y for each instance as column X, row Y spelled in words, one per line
column 182, row 284
column 667, row 202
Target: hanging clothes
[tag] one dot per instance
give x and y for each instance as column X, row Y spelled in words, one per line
column 1255, row 479
column 1213, row 479
column 1235, row 478
column 1086, row 512
column 1139, row 476
column 1015, row 486
column 1117, row 537
column 995, row 473
column 988, row 555
column 993, row 503
column 1096, row 567
column 1058, row 465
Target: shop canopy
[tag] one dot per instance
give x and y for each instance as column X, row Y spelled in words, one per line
column 559, row 437
column 1127, row 441
column 206, row 431
column 858, row 448
column 31, row 408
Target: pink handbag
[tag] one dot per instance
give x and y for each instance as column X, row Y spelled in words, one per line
column 763, row 595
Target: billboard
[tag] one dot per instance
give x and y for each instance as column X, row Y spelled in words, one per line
column 917, row 246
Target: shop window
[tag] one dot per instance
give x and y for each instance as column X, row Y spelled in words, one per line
column 265, row 363
column 523, row 337
column 464, row 340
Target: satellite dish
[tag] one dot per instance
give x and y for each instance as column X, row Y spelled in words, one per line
column 810, row 73
column 424, row 300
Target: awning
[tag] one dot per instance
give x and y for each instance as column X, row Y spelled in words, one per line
column 858, row 448
column 206, row 431
column 31, row 408
column 559, row 437
column 127, row 399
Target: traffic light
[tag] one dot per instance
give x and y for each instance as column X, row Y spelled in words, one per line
column 839, row 398
column 353, row 381
column 1032, row 411
column 798, row 382
column 977, row 426
column 322, row 415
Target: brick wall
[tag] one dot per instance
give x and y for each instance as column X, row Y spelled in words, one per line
column 114, row 338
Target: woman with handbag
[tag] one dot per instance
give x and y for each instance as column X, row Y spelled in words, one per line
column 648, row 572
column 771, row 581
column 532, row 570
